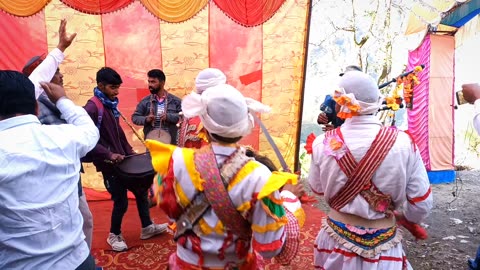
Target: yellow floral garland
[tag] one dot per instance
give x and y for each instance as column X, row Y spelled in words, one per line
column 343, row 100
column 406, row 83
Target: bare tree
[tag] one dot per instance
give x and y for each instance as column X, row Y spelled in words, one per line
column 371, row 32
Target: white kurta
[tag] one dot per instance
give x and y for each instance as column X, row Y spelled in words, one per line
column 402, row 175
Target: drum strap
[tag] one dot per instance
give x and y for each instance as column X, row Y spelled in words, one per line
column 99, row 105
column 215, row 188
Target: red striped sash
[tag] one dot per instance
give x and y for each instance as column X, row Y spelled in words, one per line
column 360, row 174
column 215, row 189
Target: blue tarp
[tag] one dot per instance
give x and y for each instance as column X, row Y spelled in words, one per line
column 462, row 14
column 440, row 177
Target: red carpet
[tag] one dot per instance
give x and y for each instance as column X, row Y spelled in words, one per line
column 153, row 253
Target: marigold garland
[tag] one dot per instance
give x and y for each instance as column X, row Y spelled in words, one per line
column 405, row 84
column 344, row 100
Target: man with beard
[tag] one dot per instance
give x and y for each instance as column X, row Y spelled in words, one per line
column 158, row 112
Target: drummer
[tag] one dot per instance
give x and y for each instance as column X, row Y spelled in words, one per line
column 159, row 110
column 112, row 148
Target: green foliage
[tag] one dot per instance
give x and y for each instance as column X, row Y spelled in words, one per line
column 473, row 141
column 304, row 160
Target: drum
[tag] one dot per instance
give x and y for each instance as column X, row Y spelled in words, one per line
column 137, row 170
column 159, row 135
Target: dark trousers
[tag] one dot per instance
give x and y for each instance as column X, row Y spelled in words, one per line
column 88, row 264
column 117, row 187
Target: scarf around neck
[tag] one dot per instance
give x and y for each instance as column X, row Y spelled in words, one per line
column 111, row 104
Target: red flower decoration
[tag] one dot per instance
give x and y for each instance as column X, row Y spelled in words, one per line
column 309, row 143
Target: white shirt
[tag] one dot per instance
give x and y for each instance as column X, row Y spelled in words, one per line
column 46, row 70
column 40, row 223
column 476, row 118
column 402, row 174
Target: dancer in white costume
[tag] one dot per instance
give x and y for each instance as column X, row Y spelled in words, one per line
column 365, row 171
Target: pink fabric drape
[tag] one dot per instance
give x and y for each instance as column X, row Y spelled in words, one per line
column 418, row 116
column 440, row 129
column 237, row 51
column 132, row 48
column 97, row 6
column 20, row 41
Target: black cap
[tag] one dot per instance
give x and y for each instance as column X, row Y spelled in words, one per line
column 350, row 68
column 17, row 94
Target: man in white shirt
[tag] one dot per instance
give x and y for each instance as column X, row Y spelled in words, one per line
column 40, row 224
column 471, row 93
column 47, row 70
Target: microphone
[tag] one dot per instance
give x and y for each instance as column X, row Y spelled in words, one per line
column 394, row 80
column 328, row 105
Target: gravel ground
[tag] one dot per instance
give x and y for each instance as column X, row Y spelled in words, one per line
column 453, row 226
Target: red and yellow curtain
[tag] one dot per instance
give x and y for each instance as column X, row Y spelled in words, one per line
column 247, row 13
column 259, row 44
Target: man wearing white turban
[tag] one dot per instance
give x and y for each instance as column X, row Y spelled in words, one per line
column 209, row 77
column 244, row 207
column 192, row 134
column 365, row 172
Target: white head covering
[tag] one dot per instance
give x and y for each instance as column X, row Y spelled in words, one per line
column 209, row 77
column 364, row 89
column 223, row 110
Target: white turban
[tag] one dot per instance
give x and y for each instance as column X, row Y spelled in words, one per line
column 364, row 89
column 223, row 110
column 209, row 77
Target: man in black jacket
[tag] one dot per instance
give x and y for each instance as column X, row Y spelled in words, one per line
column 159, row 110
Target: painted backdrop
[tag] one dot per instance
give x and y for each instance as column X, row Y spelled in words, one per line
column 259, row 44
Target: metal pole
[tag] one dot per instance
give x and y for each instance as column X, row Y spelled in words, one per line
column 302, row 91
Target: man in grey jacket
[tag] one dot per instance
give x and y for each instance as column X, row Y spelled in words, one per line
column 159, row 110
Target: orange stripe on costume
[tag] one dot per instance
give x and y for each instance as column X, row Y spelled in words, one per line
column 277, row 244
column 421, row 198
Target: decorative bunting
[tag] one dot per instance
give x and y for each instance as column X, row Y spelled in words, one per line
column 174, row 11
column 23, row 8
column 249, row 12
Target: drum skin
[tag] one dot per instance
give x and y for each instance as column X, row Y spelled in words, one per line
column 159, row 135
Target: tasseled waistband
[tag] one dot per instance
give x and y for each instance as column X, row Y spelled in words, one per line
column 366, row 242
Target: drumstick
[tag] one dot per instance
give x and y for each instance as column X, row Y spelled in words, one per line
column 133, row 129
column 127, row 156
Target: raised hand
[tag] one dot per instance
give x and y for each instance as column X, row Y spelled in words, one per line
column 471, row 92
column 64, row 40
